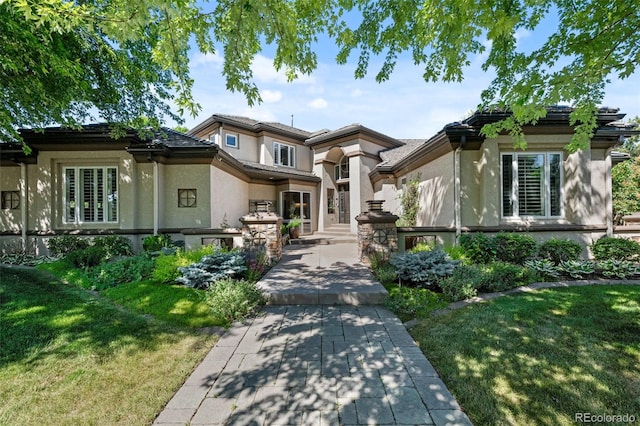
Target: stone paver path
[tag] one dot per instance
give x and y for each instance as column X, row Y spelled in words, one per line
column 315, row 365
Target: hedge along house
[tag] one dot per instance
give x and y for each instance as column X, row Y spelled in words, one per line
column 192, row 186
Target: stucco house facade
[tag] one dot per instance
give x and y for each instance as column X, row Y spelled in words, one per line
column 197, row 186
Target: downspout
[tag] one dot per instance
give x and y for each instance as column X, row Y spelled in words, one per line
column 156, row 198
column 25, row 203
column 457, row 191
column 608, row 189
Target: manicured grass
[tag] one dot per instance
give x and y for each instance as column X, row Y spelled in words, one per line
column 173, row 303
column 68, row 356
column 541, row 357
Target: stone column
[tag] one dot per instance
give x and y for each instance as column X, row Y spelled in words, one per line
column 262, row 229
column 377, row 233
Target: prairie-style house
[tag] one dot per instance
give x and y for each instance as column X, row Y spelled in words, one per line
column 196, row 186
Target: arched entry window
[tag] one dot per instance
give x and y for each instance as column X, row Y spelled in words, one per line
column 341, row 171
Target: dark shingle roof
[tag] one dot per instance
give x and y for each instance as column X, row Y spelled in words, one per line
column 256, row 125
column 392, row 156
column 276, row 169
column 174, row 139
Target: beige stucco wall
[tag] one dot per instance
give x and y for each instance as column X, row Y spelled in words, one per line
column 229, row 198
column 181, row 176
column 436, row 192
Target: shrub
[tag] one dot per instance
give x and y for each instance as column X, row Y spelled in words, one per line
column 378, row 259
column 65, row 244
column 559, row 250
column 122, row 271
column 607, row 248
column 423, row 268
column 620, row 269
column 421, row 247
column 231, row 300
column 463, row 283
column 478, row 248
column 166, row 265
column 156, row 242
column 114, row 245
column 544, row 268
column 577, row 269
column 501, row 276
column 257, row 263
column 386, row 274
column 514, row 248
column 409, row 303
column 86, row 258
column 212, row 268
column 456, row 253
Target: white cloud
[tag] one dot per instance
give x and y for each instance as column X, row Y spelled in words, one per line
column 318, row 103
column 270, row 96
column 206, row 59
column 264, row 72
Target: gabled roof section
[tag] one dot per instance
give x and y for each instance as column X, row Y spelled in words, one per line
column 252, row 125
column 275, row 172
column 556, row 115
column 392, row 156
column 351, row 130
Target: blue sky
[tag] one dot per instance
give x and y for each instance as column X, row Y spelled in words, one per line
column 403, row 107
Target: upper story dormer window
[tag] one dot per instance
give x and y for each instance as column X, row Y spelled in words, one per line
column 231, row 140
column 284, row 155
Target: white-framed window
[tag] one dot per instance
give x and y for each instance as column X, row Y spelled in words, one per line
column 231, row 140
column 284, row 155
column 532, row 184
column 90, row 194
column 341, row 170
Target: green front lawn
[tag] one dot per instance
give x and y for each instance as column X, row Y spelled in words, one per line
column 68, row 356
column 539, row 358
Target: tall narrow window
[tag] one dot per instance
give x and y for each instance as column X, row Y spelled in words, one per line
column 284, row 155
column 90, row 194
column 532, row 185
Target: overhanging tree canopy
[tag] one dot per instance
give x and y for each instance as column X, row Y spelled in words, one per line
column 122, row 60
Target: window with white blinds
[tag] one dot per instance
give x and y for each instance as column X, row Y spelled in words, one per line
column 90, row 194
column 532, row 184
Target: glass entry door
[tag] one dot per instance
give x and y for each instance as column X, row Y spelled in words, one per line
column 296, row 205
column 343, row 204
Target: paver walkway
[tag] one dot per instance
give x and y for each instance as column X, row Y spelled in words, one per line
column 348, row 363
column 315, row 365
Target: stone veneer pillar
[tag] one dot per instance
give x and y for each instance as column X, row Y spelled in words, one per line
column 263, row 229
column 377, row 232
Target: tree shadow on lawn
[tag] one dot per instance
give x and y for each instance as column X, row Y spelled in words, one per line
column 40, row 316
column 542, row 357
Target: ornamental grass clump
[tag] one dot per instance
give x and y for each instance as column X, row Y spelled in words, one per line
column 231, row 300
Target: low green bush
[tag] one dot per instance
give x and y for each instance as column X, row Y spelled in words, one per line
column 559, row 250
column 515, row 248
column 409, row 303
column 421, row 247
column 65, row 244
column 121, row 271
column 607, row 248
column 231, row 300
column 86, row 258
column 114, row 245
column 463, row 283
column 386, row 274
column 501, row 276
column 478, row 248
column 423, row 268
column 153, row 243
column 166, row 265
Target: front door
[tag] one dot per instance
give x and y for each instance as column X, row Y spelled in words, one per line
column 343, row 204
